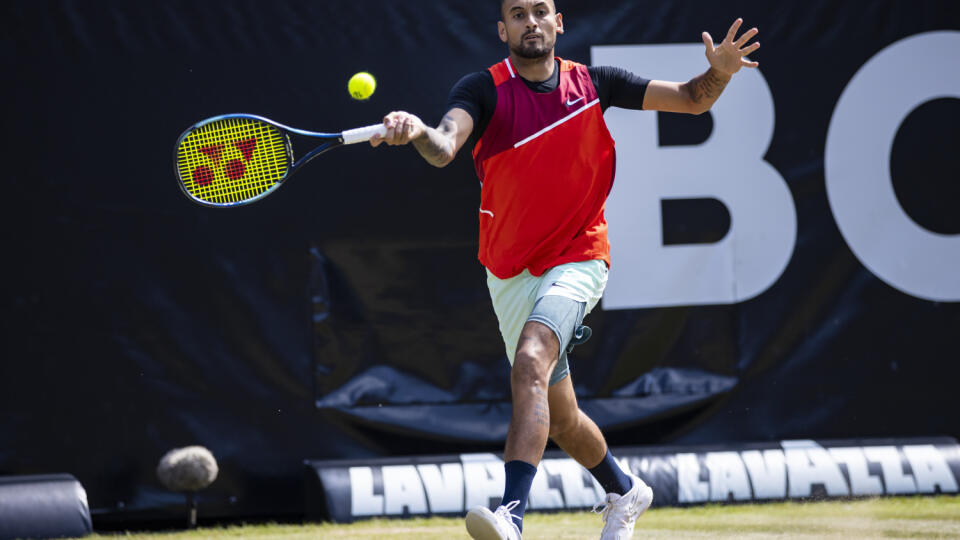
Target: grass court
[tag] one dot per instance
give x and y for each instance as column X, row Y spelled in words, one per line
column 896, row 517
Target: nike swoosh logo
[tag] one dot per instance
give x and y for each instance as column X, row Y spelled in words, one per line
column 482, row 211
column 574, row 102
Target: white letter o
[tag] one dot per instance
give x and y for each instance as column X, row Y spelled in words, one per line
column 868, row 115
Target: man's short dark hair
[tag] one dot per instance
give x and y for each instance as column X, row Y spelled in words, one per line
column 500, row 4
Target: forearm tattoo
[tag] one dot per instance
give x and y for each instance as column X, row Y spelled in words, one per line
column 541, row 411
column 708, row 86
column 436, row 145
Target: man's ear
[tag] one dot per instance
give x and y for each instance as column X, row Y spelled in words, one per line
column 502, row 30
column 559, row 23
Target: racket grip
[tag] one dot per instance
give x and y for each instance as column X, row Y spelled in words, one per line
column 363, row 134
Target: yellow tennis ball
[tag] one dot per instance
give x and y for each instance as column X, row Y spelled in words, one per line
column 362, row 85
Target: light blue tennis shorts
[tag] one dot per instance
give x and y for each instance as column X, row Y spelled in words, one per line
column 560, row 299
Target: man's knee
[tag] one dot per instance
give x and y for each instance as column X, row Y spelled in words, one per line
column 539, row 341
column 529, row 367
column 536, row 354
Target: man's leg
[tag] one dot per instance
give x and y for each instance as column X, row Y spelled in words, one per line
column 535, row 358
column 577, row 435
column 627, row 496
column 537, row 354
column 573, row 431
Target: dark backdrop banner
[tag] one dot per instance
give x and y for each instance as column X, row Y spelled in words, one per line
column 763, row 286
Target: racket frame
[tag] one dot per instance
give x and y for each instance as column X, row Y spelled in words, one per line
column 334, row 140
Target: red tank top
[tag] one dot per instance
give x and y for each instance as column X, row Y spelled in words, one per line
column 546, row 166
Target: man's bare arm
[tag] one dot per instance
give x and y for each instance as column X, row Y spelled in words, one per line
column 704, row 89
column 439, row 145
column 699, row 93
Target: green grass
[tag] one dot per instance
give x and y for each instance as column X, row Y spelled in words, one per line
column 905, row 517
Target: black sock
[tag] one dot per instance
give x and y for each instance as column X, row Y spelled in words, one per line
column 611, row 476
column 517, row 487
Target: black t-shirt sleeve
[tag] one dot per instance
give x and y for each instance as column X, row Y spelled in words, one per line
column 476, row 94
column 618, row 87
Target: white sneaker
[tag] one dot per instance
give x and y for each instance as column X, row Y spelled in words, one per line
column 482, row 524
column 620, row 513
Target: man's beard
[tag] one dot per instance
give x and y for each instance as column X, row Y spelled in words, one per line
column 532, row 51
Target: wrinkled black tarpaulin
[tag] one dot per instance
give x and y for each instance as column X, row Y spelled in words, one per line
column 345, row 316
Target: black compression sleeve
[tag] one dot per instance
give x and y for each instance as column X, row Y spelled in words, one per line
column 476, row 94
column 618, row 87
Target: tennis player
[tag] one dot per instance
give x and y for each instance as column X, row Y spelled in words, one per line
column 546, row 163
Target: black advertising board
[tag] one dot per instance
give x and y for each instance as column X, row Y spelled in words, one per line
column 345, row 490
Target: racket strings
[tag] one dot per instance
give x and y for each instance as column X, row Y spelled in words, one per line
column 232, row 160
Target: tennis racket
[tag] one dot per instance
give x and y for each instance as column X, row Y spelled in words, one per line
column 237, row 159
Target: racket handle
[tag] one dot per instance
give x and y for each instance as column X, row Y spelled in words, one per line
column 363, row 134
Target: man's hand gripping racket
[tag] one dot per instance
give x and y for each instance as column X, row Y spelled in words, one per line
column 238, row 159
